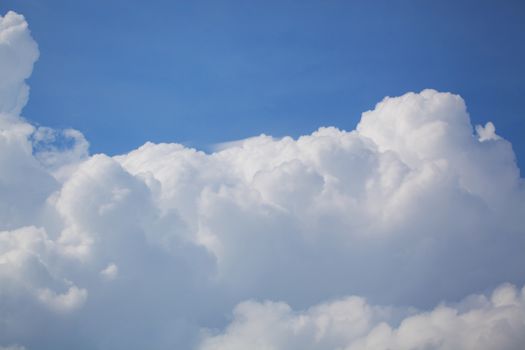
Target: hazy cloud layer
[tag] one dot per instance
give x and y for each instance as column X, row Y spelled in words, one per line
column 155, row 248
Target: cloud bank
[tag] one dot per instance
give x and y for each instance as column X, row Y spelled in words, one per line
column 478, row 322
column 156, row 247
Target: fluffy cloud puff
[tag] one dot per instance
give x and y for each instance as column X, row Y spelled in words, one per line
column 149, row 248
column 18, row 52
column 477, row 323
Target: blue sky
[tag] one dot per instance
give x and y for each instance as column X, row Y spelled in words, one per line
column 203, row 72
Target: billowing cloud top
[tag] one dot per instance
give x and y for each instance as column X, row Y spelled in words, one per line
column 334, row 240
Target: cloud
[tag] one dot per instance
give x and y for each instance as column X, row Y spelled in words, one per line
column 476, row 323
column 110, row 272
column 12, row 347
column 73, row 299
column 147, row 249
column 487, row 133
column 18, row 53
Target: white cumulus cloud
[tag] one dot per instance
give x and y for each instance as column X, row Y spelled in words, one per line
column 477, row 323
column 155, row 247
